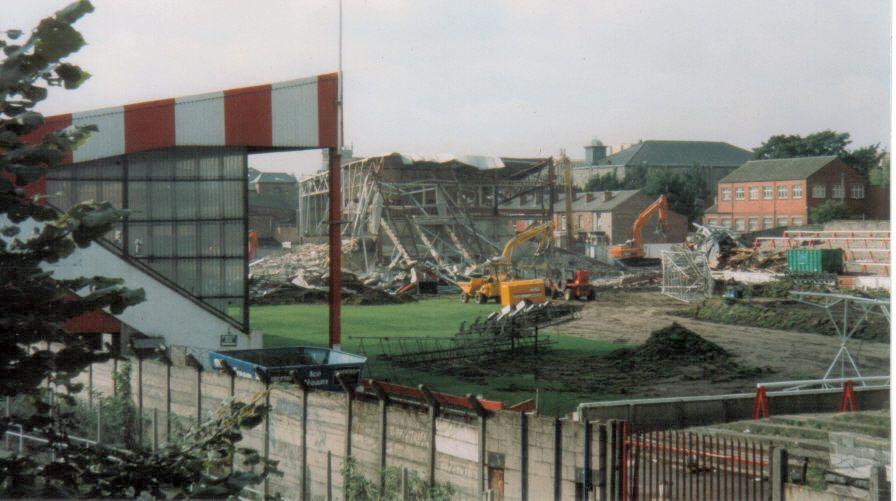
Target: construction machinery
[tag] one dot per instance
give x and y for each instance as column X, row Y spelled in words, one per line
column 632, row 251
column 579, row 287
column 489, row 287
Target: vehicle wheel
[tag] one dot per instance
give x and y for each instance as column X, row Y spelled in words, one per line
column 464, row 297
column 481, row 299
column 568, row 294
column 591, row 295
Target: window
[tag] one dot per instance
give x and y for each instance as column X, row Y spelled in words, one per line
column 524, row 199
column 754, row 193
column 594, row 226
column 738, row 193
column 782, row 221
column 819, row 191
column 754, row 223
column 838, row 191
column 739, row 224
column 797, row 221
column 768, row 223
column 857, row 191
column 797, row 191
column 782, row 191
column 726, row 222
column 579, row 225
column 726, row 193
column 767, row 192
column 711, row 221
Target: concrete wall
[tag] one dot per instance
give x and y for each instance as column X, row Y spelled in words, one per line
column 699, row 411
column 514, row 443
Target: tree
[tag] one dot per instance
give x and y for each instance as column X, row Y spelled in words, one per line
column 605, row 182
column 829, row 211
column 826, row 142
column 34, row 305
column 881, row 175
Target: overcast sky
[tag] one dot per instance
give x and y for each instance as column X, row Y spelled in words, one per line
column 514, row 78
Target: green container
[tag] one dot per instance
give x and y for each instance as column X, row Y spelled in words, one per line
column 815, row 261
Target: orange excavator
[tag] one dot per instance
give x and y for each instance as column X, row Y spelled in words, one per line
column 632, row 251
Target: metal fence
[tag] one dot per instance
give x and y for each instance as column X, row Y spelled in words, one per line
column 682, row 465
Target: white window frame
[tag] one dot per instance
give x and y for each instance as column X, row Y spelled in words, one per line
column 753, row 223
column 819, row 191
column 768, row 192
column 783, row 221
column 797, row 191
column 796, row 221
column 838, row 191
column 754, row 193
column 739, row 193
column 726, row 222
column 768, row 222
column 726, row 194
column 740, row 224
column 857, row 191
column 782, row 192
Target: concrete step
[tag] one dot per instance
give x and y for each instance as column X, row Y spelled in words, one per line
column 829, row 424
column 816, row 450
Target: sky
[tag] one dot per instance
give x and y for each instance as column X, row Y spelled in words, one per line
column 506, row 78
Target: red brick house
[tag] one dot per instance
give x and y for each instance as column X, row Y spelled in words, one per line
column 764, row 194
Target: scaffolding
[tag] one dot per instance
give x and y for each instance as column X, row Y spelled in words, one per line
column 686, row 275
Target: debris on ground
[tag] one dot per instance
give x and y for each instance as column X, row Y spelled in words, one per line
column 745, row 259
column 671, row 355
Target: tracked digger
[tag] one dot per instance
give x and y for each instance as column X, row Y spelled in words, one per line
column 632, row 251
column 482, row 289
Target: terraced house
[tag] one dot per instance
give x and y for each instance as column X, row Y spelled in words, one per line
column 763, row 194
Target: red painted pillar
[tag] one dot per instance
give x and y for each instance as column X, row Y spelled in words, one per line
column 334, row 176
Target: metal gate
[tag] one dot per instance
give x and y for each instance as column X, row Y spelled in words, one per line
column 681, row 465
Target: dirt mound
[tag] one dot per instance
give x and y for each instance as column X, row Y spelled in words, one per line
column 673, row 344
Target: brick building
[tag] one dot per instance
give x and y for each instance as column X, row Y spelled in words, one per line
column 273, row 201
column 763, row 194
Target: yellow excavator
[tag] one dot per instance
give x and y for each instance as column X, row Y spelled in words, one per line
column 489, row 287
column 632, row 251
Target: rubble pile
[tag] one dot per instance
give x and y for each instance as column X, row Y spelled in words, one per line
column 301, row 275
column 724, row 251
column 753, row 259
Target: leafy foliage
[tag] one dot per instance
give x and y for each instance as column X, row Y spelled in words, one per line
column 37, row 357
column 829, row 211
column 686, row 189
column 826, row 142
column 358, row 488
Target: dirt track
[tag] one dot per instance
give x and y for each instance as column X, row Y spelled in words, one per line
column 630, row 317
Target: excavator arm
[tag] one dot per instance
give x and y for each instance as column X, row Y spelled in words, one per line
column 635, row 248
column 545, row 231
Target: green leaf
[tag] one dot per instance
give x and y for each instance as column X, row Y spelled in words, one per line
column 72, row 76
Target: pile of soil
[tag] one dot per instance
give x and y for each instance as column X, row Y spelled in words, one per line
column 671, row 345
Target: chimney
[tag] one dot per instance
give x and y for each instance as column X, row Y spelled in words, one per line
column 589, row 196
column 595, row 152
column 607, row 195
